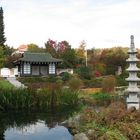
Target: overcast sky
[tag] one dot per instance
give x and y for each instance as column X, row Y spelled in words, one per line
column 101, row 23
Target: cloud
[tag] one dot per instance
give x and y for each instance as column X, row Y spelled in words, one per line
column 94, row 21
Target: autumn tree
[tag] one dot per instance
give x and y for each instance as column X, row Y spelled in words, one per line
column 69, row 58
column 2, row 36
column 62, row 50
column 55, row 48
column 98, row 67
column 113, row 58
column 10, row 59
column 81, row 53
column 50, row 46
column 34, row 48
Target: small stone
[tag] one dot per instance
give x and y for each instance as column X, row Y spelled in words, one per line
column 91, row 134
column 74, row 122
column 80, row 136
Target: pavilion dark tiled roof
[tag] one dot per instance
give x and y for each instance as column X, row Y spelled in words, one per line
column 38, row 57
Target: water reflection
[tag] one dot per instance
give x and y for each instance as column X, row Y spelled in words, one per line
column 38, row 131
column 33, row 126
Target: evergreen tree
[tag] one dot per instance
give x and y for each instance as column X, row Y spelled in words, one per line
column 2, row 36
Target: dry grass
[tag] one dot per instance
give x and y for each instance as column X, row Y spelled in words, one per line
column 91, row 90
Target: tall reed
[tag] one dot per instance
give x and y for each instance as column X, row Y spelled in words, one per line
column 27, row 99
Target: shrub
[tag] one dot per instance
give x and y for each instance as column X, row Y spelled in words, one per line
column 32, row 79
column 108, row 84
column 68, row 97
column 113, row 135
column 84, row 72
column 65, row 76
column 96, row 82
column 101, row 98
column 75, row 83
column 52, row 78
column 114, row 122
column 37, row 85
column 59, row 82
column 121, row 81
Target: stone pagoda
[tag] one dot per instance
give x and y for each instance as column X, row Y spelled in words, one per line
column 132, row 90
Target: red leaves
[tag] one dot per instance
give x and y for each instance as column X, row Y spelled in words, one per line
column 59, row 47
column 97, row 74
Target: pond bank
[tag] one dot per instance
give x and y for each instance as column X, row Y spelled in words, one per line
column 110, row 123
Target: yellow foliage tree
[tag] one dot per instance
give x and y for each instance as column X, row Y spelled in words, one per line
column 80, row 52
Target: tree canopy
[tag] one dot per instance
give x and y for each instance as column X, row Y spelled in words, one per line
column 34, row 48
column 2, row 35
column 2, row 58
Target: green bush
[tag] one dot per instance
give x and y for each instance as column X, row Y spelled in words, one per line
column 68, row 98
column 84, row 72
column 65, row 76
column 121, row 81
column 102, row 98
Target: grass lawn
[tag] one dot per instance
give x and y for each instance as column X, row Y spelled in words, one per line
column 5, row 84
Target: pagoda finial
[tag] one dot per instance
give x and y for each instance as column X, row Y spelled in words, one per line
column 132, row 42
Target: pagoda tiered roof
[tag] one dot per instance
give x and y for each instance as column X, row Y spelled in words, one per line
column 133, row 79
column 132, row 60
column 132, row 89
column 133, row 69
column 132, row 51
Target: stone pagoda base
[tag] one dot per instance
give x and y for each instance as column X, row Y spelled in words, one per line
column 133, row 101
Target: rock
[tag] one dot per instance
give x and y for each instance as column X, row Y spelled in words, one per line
column 91, row 134
column 65, row 123
column 72, row 122
column 80, row 136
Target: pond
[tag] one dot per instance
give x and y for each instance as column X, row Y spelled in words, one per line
column 33, row 126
